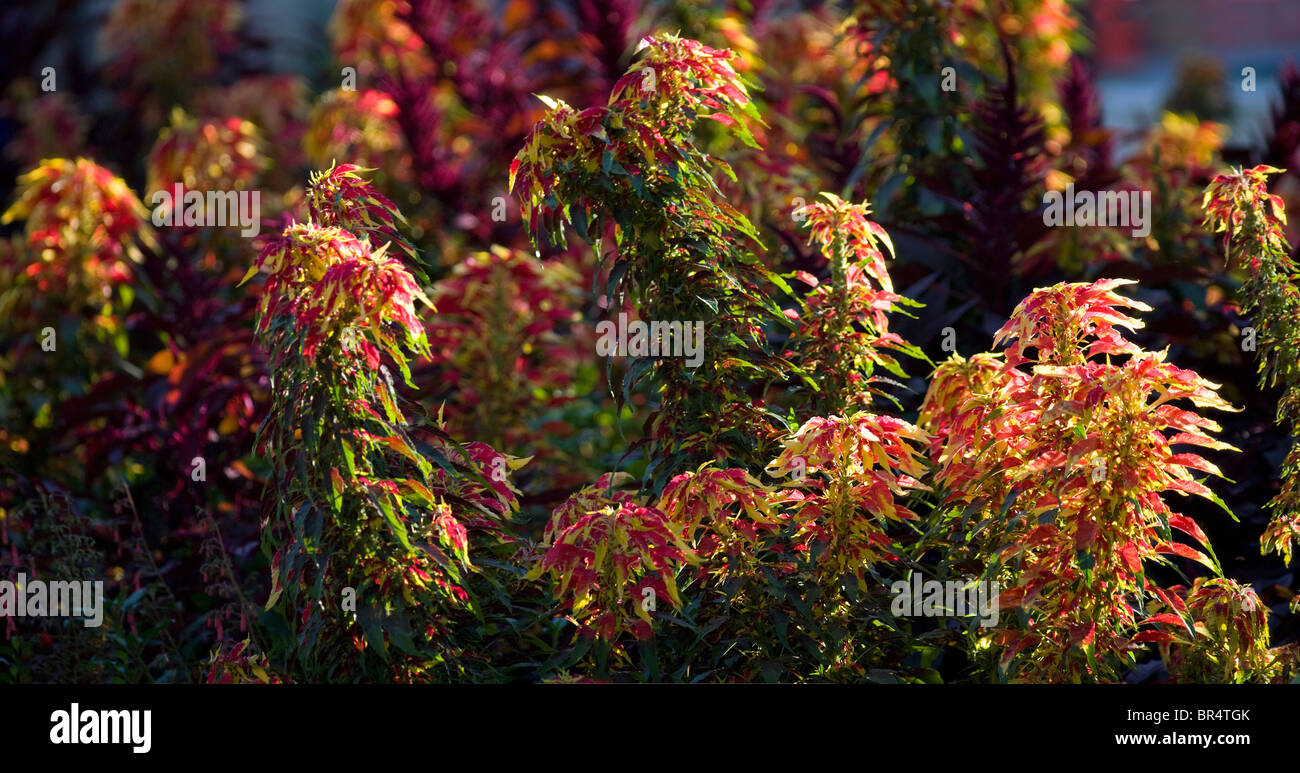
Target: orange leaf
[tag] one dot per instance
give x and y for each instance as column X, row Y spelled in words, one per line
column 161, row 363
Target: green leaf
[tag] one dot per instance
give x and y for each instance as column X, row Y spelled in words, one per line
column 579, row 221
column 394, row 522
column 398, row 628
column 369, row 619
column 1216, row 499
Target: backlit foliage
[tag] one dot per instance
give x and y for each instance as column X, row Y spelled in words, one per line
column 84, row 225
column 508, row 338
column 1238, row 204
column 612, row 560
column 369, row 548
column 631, row 171
column 71, row 270
column 846, row 473
column 1218, row 632
column 725, row 515
column 372, row 460
column 1065, row 468
column 843, row 333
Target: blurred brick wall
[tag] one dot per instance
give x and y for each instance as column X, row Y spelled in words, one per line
column 1126, row 32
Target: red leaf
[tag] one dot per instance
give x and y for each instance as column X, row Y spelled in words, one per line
column 1085, row 535
column 1164, row 637
column 1191, row 487
column 1049, row 460
column 1172, row 599
column 1188, row 526
column 807, row 278
column 1177, row 548
column 1165, row 617
column 1087, row 445
column 1131, row 557
column 1011, row 597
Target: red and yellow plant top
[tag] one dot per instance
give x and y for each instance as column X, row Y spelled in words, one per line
column 606, row 552
column 724, row 514
column 652, row 108
column 1057, row 321
column 632, row 170
column 1234, row 197
column 81, row 221
column 340, row 196
column 367, row 293
column 509, row 336
column 849, row 237
column 843, row 329
column 334, row 282
column 1067, row 465
column 563, row 134
column 1228, row 612
column 369, row 505
column 605, row 491
column 965, row 410
column 1217, row 632
column 845, row 475
column 684, row 78
column 1238, row 204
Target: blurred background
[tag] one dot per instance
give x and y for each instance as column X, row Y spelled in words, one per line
column 1189, row 54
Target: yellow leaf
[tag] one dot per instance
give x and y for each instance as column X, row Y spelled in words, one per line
column 670, row 583
column 276, row 588
column 252, row 270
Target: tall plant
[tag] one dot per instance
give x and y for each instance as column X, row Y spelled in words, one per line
column 369, row 535
column 66, row 287
column 1056, row 478
column 843, row 333
column 1238, row 203
column 634, row 171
